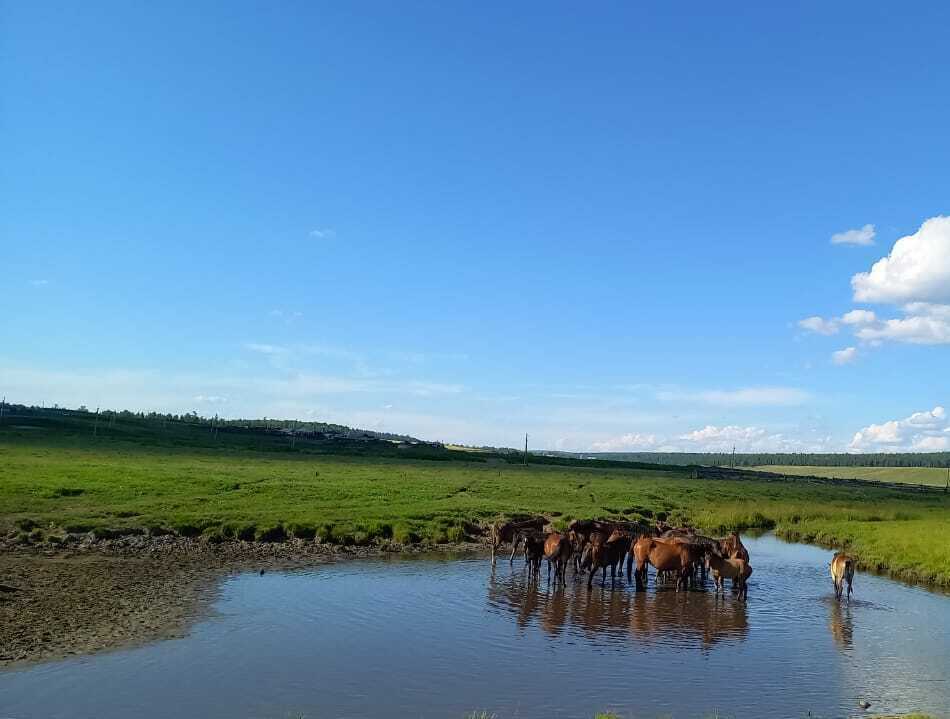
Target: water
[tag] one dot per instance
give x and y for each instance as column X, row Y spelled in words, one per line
column 441, row 638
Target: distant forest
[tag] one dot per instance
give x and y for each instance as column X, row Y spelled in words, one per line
column 756, row 459
column 194, row 419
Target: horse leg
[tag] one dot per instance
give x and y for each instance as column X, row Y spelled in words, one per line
column 514, row 548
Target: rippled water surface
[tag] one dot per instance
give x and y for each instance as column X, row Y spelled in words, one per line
column 441, row 638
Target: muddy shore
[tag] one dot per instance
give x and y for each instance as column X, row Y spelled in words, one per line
column 93, row 596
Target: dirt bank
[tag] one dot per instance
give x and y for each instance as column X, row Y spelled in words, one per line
column 97, row 596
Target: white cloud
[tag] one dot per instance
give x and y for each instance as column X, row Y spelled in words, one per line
column 845, row 356
column 863, row 236
column 915, row 275
column 712, row 438
column 746, row 396
column 858, row 317
column 630, row 442
column 920, row 432
column 819, row 325
column 323, row 233
column 39, row 283
column 210, row 399
column 924, row 323
column 916, row 270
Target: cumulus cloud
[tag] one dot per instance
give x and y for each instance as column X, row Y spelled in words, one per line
column 914, row 276
column 863, row 236
column 39, row 283
column 845, row 356
column 916, row 270
column 715, row 438
column 920, row 432
column 324, row 233
column 923, row 324
column 712, row 438
column 819, row 325
column 858, row 317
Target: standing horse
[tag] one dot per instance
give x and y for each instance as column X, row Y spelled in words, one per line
column 557, row 550
column 732, row 546
column 533, row 552
column 607, row 551
column 514, row 532
column 842, row 570
column 665, row 556
column 736, row 569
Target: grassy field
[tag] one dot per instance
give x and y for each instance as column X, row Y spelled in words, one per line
column 53, row 481
column 933, row 476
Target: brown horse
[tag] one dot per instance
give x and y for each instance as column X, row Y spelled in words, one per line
column 732, row 546
column 558, row 550
column 514, row 532
column 533, row 552
column 606, row 551
column 581, row 530
column 842, row 570
column 739, row 570
column 665, row 556
column 698, row 546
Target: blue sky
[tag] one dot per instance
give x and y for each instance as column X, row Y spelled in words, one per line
column 610, row 228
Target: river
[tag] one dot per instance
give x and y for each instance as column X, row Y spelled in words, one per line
column 441, row 638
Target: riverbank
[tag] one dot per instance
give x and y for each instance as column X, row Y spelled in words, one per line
column 60, row 495
column 103, row 595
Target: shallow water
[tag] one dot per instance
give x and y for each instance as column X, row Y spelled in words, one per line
column 441, row 638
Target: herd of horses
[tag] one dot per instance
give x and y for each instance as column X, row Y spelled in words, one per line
column 680, row 554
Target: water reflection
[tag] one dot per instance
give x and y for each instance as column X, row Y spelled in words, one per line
column 660, row 616
column 841, row 624
column 435, row 639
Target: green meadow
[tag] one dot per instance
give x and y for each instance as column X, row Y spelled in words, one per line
column 54, row 481
column 934, row 476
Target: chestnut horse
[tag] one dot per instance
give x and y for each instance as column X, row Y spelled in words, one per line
column 558, row 550
column 665, row 556
column 842, row 570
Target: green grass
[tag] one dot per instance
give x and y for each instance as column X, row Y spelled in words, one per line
column 57, row 482
column 933, row 476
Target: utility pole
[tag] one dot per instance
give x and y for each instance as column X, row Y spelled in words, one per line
column 525, row 449
column 95, row 427
column 733, row 456
column 2, row 403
